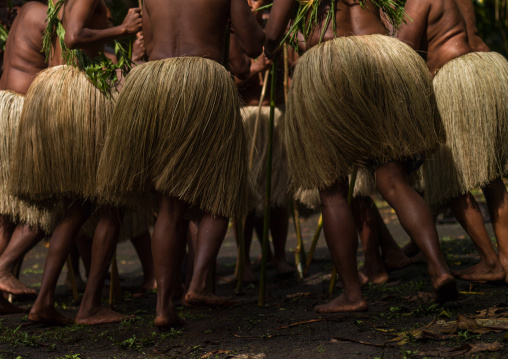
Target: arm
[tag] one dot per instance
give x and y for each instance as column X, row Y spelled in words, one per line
column 249, row 33
column 239, row 63
column 78, row 35
column 147, row 31
column 412, row 32
column 277, row 24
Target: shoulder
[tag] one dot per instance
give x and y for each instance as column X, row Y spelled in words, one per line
column 34, row 12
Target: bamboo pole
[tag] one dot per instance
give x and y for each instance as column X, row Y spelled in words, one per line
column 266, row 226
column 256, row 124
column 349, row 200
column 315, row 239
column 72, row 277
column 240, row 224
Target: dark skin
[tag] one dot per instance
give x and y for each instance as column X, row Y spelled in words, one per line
column 374, row 235
column 87, row 27
column 446, row 30
column 250, row 91
column 22, row 62
column 196, row 28
column 391, row 179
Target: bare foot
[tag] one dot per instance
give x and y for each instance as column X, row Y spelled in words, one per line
column 394, row 260
column 248, row 274
column 504, row 263
column 482, row 272
column 8, row 308
column 410, row 249
column 80, row 284
column 378, row 277
column 342, row 304
column 169, row 319
column 446, row 288
column 49, row 316
column 9, row 284
column 284, row 270
column 208, row 299
column 149, row 284
column 100, row 316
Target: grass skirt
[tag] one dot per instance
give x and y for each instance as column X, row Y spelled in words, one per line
column 177, row 129
column 357, row 100
column 280, row 171
column 60, row 138
column 11, row 105
column 472, row 97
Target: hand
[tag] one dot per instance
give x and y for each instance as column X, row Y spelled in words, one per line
column 271, row 50
column 260, row 64
column 132, row 22
column 138, row 47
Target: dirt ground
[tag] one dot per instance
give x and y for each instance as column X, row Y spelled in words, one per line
column 287, row 326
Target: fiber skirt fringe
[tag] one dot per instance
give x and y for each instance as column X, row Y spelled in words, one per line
column 472, row 97
column 280, row 171
column 11, row 105
column 60, row 137
column 177, row 129
column 355, row 100
column 364, row 186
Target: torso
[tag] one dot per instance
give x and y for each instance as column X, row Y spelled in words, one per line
column 23, row 58
column 98, row 21
column 446, row 37
column 350, row 19
column 196, row 29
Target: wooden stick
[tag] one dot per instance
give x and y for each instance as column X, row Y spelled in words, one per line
column 266, row 226
column 256, row 124
column 72, row 277
column 314, row 244
column 240, row 225
column 349, row 200
column 299, row 250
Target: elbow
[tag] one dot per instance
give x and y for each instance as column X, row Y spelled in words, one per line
column 256, row 49
column 72, row 40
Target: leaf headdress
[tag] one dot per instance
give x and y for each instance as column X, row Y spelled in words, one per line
column 101, row 71
column 306, row 16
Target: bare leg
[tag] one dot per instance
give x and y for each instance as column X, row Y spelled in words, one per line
column 393, row 256
column 497, row 201
column 192, row 241
column 106, row 235
column 211, row 233
column 80, row 284
column 248, row 274
column 279, row 223
column 6, row 229
column 143, row 244
column 373, row 270
column 466, row 210
column 169, row 235
column 23, row 239
column 416, row 219
column 43, row 310
column 342, row 240
column 84, row 244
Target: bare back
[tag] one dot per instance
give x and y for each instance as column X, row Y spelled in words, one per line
column 350, row 19
column 199, row 28
column 23, row 58
column 439, row 29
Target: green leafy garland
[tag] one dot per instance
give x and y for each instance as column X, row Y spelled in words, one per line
column 306, row 17
column 3, row 36
column 101, row 71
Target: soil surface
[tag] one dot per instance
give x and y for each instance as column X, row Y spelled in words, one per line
column 287, row 326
